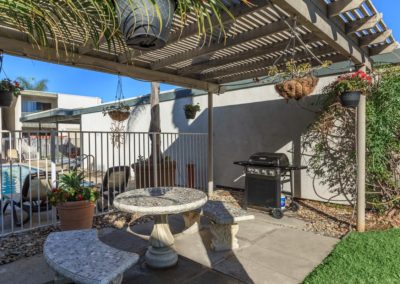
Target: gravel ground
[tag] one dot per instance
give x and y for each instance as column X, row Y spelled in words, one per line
column 29, row 243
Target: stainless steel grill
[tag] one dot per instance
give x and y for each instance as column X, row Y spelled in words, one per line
column 265, row 174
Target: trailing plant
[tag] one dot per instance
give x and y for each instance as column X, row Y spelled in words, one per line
column 331, row 142
column 8, row 86
column 70, row 188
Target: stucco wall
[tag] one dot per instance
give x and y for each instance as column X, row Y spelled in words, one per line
column 74, row 101
column 245, row 121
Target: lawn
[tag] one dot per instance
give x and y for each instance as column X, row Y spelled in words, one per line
column 372, row 257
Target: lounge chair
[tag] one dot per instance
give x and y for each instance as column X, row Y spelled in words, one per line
column 33, row 197
column 115, row 181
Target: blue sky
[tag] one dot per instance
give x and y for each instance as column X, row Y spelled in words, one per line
column 70, row 80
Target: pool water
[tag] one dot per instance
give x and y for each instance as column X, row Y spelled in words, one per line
column 12, row 178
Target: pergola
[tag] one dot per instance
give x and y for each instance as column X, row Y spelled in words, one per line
column 332, row 30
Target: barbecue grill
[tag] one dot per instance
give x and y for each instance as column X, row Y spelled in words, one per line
column 265, row 174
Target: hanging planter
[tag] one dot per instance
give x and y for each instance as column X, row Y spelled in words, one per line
column 142, row 25
column 8, row 91
column 297, row 88
column 118, row 115
column 350, row 87
column 118, row 112
column 191, row 110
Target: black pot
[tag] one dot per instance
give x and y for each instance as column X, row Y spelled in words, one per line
column 141, row 26
column 6, row 99
column 350, row 99
column 190, row 114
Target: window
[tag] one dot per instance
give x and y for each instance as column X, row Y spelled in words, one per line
column 32, row 106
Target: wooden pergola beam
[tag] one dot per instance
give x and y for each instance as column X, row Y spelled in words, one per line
column 265, row 30
column 247, row 67
column 378, row 37
column 363, row 24
column 237, row 10
column 206, row 64
column 342, row 6
column 16, row 43
column 381, row 49
column 310, row 15
column 263, row 72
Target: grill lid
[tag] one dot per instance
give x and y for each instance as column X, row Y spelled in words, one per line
column 269, row 159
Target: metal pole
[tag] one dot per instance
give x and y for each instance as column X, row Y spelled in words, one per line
column 210, row 156
column 361, row 152
column 53, row 158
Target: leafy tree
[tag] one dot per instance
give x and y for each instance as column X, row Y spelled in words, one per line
column 32, row 84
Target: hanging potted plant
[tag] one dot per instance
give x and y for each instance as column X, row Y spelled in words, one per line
column 8, row 90
column 298, row 81
column 191, row 110
column 118, row 113
column 145, row 24
column 74, row 202
column 349, row 87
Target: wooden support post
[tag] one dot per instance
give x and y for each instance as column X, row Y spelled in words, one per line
column 361, row 152
column 210, row 156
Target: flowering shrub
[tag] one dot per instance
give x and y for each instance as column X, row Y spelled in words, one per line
column 358, row 81
column 7, row 86
column 71, row 188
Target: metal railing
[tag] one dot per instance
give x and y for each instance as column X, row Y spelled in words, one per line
column 114, row 162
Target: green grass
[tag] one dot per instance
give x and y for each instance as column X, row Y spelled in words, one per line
column 372, row 257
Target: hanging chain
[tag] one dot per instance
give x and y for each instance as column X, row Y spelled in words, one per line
column 119, row 94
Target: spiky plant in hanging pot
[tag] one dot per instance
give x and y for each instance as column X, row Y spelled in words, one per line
column 191, row 110
column 298, row 80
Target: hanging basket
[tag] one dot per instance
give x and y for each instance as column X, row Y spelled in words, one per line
column 297, row 88
column 142, row 27
column 350, row 99
column 190, row 113
column 119, row 115
column 6, row 99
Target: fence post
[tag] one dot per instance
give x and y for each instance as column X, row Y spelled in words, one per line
column 53, row 158
column 210, row 156
column 154, row 157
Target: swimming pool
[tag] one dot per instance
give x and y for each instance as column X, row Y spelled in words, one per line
column 12, row 177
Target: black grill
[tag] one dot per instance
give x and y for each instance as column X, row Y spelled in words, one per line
column 265, row 175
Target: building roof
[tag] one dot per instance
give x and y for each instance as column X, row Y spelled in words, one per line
column 332, row 30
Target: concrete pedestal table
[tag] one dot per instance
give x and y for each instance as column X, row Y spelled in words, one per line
column 160, row 202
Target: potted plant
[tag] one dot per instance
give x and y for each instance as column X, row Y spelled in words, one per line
column 144, row 172
column 8, row 90
column 349, row 87
column 121, row 112
column 191, row 110
column 74, row 202
column 298, row 81
column 145, row 24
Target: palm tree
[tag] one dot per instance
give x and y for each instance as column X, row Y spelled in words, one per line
column 32, row 84
column 55, row 22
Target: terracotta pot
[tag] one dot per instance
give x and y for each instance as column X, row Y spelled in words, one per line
column 76, row 215
column 144, row 174
column 118, row 115
column 350, row 99
column 297, row 88
column 6, row 99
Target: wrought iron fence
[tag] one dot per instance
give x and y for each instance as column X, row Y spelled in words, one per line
column 31, row 162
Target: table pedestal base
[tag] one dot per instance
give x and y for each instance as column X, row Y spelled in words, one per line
column 160, row 254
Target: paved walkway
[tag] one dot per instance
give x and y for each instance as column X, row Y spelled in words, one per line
column 272, row 251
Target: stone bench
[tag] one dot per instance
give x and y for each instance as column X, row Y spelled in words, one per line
column 80, row 256
column 224, row 223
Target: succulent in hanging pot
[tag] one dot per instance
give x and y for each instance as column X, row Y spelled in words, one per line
column 298, row 81
column 8, row 91
column 349, row 87
column 191, row 110
column 145, row 24
column 120, row 112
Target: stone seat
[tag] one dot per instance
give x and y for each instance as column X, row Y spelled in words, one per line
column 224, row 226
column 81, row 257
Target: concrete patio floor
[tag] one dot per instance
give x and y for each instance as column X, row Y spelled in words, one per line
column 272, row 251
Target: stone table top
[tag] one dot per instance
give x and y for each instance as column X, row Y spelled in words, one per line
column 80, row 256
column 160, row 200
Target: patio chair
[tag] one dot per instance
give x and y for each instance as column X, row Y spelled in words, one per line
column 33, row 197
column 115, row 182
column 12, row 155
